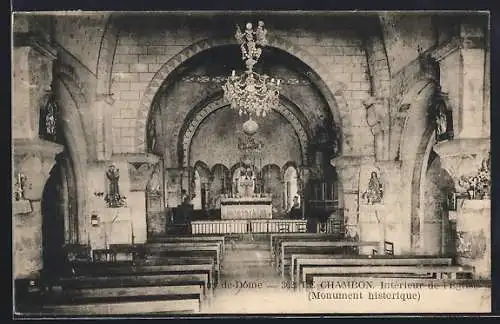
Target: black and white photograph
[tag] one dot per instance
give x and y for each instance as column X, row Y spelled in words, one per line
column 169, row 163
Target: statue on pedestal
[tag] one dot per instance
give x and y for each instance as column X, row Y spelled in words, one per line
column 374, row 193
column 113, row 197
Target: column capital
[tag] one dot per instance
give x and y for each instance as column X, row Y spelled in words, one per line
column 462, row 156
column 140, row 168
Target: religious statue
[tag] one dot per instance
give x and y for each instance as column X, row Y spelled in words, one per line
column 443, row 120
column 113, row 197
column 249, row 41
column 19, row 187
column 374, row 193
column 48, row 119
column 152, row 134
column 154, row 185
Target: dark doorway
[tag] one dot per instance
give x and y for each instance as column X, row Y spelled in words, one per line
column 53, row 225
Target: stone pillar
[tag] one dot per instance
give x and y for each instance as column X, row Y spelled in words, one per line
column 33, row 157
column 148, row 217
column 348, row 169
column 464, row 158
column 473, row 65
column 396, row 229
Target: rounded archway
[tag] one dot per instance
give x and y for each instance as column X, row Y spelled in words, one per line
column 173, row 69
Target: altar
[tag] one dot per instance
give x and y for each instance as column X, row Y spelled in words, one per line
column 246, row 208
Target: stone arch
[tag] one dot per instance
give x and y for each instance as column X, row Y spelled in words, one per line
column 418, row 183
column 204, row 170
column 336, row 100
column 416, row 125
column 287, row 165
column 187, row 133
column 222, row 167
column 77, row 148
column 235, row 167
column 106, row 55
column 376, row 56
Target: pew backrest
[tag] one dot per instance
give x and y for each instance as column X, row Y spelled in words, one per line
column 283, row 245
column 299, row 263
column 439, row 272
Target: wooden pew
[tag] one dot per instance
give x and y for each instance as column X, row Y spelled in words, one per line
column 149, row 293
column 184, row 250
column 430, row 272
column 122, row 305
column 275, row 251
column 275, row 237
column 314, row 246
column 126, row 270
column 140, row 280
column 197, row 238
column 300, row 261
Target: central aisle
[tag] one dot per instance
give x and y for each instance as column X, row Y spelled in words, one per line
column 249, row 284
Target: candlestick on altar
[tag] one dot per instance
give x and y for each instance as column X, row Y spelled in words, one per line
column 105, row 239
column 132, row 232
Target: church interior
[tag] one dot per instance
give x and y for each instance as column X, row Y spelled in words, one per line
column 215, row 162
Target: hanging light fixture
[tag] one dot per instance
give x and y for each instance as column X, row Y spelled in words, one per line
column 251, row 93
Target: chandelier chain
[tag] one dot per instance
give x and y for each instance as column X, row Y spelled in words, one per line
column 251, row 93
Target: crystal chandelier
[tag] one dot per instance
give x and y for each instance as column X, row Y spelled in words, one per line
column 251, row 93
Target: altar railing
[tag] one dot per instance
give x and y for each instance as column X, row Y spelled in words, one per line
column 249, row 226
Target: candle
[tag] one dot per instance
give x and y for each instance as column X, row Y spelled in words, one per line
column 233, row 73
column 279, row 81
column 132, row 231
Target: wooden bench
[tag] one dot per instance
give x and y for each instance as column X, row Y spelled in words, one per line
column 275, row 237
column 126, row 270
column 324, row 247
column 428, row 272
column 300, row 261
column 122, row 305
column 183, row 250
column 277, row 243
column 140, row 280
column 198, row 238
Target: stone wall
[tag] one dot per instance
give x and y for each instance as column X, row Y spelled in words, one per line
column 141, row 52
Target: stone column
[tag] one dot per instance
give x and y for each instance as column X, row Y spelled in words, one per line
column 348, row 169
column 396, row 229
column 473, row 65
column 148, row 220
column 465, row 157
column 33, row 157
